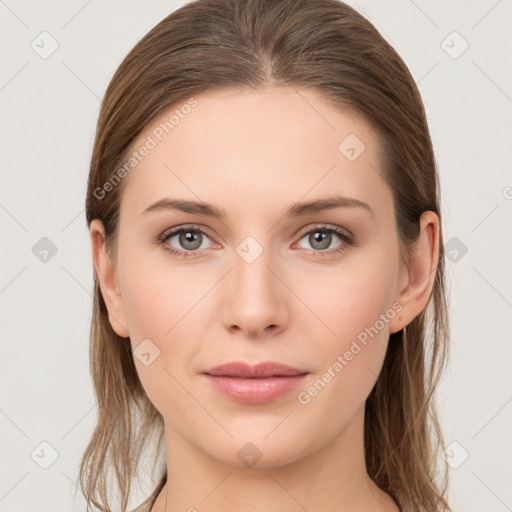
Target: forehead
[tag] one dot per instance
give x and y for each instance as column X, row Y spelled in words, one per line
column 255, row 149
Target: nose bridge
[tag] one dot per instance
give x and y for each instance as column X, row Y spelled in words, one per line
column 251, row 270
column 256, row 298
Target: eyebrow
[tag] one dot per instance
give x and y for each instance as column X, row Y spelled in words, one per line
column 296, row 210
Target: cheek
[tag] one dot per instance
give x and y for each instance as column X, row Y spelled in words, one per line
column 153, row 299
column 355, row 304
column 165, row 308
column 157, row 318
column 351, row 297
column 350, row 360
column 146, row 309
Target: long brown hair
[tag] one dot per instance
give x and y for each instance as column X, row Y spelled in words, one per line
column 209, row 45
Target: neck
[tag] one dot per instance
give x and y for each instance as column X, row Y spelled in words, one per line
column 332, row 478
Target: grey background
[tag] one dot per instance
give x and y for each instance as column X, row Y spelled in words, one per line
column 49, row 108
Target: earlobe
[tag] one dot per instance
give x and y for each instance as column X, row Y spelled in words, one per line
column 107, row 276
column 420, row 273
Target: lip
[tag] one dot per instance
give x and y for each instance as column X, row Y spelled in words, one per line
column 255, row 384
column 266, row 369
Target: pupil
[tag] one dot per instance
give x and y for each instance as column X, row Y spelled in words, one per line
column 322, row 238
column 189, row 237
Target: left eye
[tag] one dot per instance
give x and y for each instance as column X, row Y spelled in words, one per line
column 321, row 238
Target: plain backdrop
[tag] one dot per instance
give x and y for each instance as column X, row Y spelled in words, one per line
column 460, row 54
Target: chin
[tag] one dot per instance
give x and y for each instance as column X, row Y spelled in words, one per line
column 253, row 450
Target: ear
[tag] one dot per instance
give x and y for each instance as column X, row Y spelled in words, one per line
column 107, row 277
column 416, row 279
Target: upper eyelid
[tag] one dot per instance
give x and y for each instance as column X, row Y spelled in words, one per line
column 191, row 227
column 171, row 232
column 325, row 227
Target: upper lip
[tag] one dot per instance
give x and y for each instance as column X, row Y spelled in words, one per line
column 266, row 369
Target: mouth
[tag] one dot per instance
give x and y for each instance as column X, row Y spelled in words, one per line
column 255, row 384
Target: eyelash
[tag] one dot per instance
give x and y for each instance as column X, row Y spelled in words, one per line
column 344, row 236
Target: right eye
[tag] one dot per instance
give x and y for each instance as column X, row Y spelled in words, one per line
column 188, row 240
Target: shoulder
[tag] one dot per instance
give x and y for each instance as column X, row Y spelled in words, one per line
column 144, row 507
column 149, row 502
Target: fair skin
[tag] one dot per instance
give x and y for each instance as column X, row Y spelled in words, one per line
column 254, row 154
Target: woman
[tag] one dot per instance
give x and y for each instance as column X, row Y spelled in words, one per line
column 263, row 206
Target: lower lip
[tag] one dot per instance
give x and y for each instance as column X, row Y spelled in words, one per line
column 256, row 391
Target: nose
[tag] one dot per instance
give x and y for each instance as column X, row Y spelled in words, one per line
column 256, row 298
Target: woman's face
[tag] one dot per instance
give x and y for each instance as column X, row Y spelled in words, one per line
column 259, row 285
